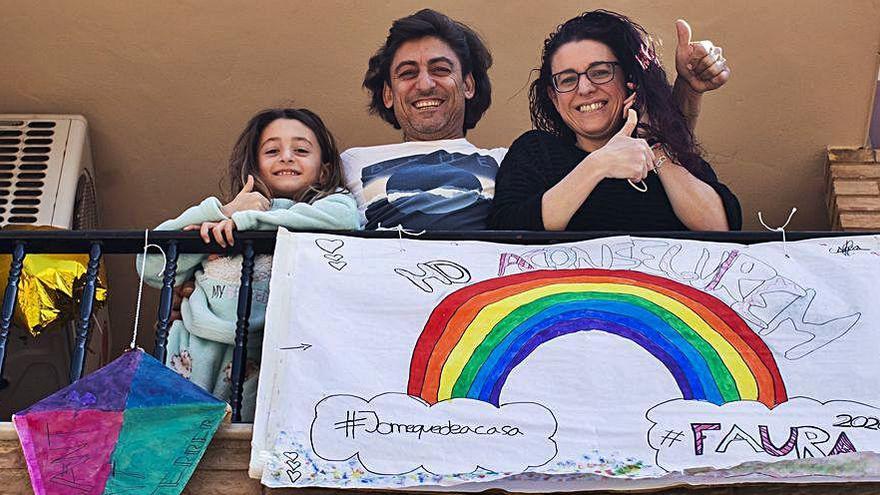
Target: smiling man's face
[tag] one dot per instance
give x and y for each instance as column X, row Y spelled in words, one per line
column 428, row 91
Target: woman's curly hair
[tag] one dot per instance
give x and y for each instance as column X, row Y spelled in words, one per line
column 635, row 51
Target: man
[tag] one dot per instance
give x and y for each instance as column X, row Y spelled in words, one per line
column 430, row 80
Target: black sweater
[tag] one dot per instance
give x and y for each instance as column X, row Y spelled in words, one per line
column 538, row 160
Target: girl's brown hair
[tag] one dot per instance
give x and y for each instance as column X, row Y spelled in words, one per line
column 244, row 161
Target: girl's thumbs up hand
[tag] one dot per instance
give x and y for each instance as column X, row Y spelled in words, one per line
column 246, row 200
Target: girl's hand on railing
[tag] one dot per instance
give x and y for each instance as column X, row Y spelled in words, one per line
column 222, row 231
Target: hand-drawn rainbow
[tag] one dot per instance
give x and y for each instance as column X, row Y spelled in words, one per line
column 478, row 334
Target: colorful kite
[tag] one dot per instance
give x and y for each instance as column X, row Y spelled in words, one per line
column 134, row 426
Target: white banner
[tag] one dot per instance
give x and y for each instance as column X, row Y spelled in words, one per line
column 618, row 362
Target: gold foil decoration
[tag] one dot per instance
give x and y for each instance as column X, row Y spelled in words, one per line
column 50, row 288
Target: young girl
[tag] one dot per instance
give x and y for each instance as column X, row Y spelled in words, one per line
column 284, row 172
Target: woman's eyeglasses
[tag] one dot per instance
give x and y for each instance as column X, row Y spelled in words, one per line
column 597, row 73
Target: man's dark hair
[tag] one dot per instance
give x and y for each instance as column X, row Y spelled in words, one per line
column 472, row 53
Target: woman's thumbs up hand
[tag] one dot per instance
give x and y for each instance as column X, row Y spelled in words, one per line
column 623, row 156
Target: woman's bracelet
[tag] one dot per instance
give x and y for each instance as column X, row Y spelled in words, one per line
column 659, row 163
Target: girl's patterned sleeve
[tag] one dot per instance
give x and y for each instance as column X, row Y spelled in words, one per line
column 335, row 212
column 206, row 211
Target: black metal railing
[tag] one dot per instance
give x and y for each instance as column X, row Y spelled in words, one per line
column 249, row 244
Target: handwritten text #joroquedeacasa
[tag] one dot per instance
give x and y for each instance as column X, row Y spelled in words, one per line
column 357, row 422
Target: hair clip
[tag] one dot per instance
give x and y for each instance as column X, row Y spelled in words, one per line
column 645, row 56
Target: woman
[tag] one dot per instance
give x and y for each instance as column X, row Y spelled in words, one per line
column 587, row 165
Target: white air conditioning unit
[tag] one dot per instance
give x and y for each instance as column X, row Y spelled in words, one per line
column 46, row 178
column 46, row 173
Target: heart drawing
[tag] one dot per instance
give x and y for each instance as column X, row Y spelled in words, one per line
column 329, row 245
column 338, row 265
column 293, row 473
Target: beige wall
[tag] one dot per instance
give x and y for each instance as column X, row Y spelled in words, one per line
column 166, row 86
